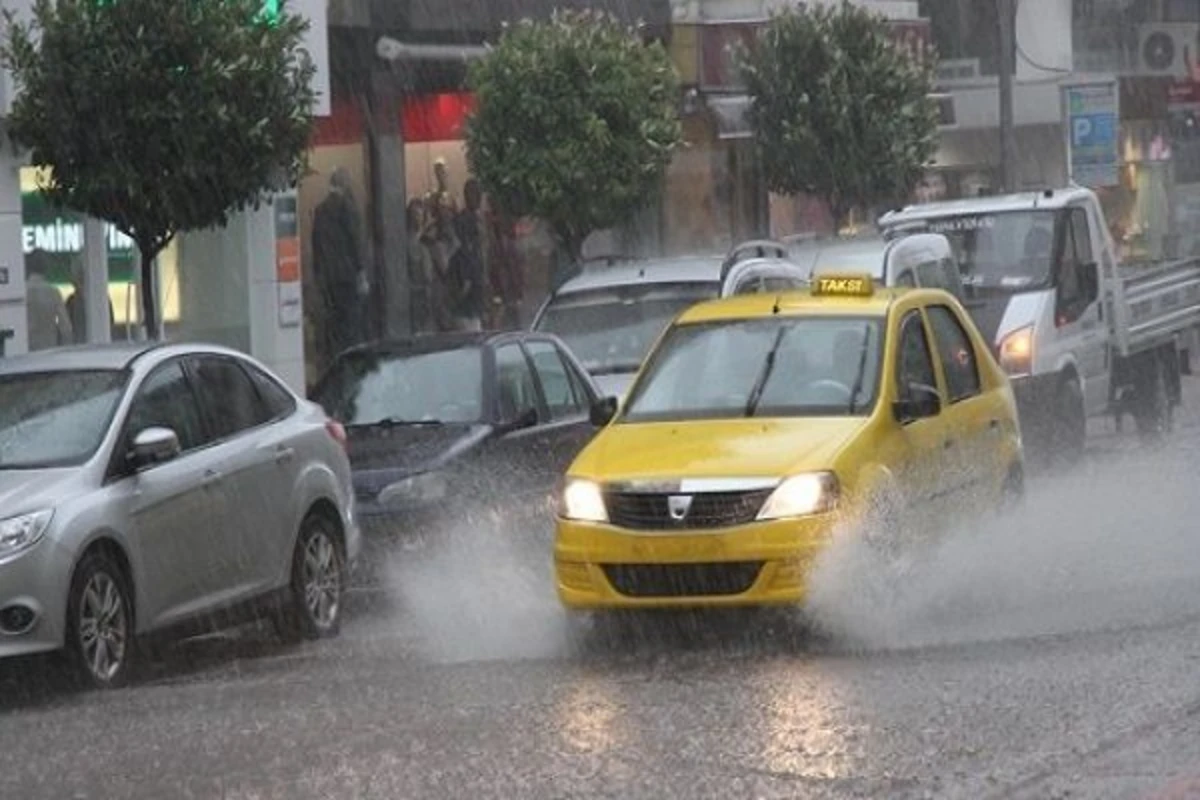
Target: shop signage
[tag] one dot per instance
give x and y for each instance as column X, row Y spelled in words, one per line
column 1092, row 112
column 60, row 235
column 287, row 261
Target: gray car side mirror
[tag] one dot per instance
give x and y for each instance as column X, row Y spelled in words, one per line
column 153, row 446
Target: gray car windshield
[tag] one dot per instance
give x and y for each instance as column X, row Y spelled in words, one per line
column 611, row 330
column 56, row 419
column 369, row 388
column 1007, row 250
column 782, row 367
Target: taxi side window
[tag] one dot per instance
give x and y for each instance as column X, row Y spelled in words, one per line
column 916, row 363
column 956, row 352
column 515, row 389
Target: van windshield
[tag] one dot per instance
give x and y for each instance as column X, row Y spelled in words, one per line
column 1009, row 250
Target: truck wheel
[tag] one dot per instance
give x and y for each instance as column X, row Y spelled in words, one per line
column 1152, row 410
column 1069, row 431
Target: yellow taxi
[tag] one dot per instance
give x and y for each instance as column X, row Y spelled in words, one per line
column 762, row 425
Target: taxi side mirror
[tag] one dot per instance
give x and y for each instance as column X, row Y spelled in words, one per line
column 603, row 411
column 919, row 401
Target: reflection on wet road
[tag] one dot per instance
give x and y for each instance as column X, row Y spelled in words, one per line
column 1054, row 657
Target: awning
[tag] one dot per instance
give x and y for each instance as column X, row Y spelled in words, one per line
column 730, row 111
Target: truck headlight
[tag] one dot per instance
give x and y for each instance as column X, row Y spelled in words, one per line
column 21, row 533
column 582, row 501
column 801, row 496
column 427, row 487
column 1016, row 351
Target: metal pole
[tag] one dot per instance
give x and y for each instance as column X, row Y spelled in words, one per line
column 1006, row 12
column 95, row 282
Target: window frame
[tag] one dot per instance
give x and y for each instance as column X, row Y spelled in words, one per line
column 258, row 377
column 581, row 403
column 951, row 397
column 118, row 465
column 538, row 399
column 190, row 361
column 910, row 317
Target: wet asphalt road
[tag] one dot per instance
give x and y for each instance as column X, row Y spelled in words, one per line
column 443, row 690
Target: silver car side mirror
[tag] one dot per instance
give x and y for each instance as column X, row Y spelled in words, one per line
column 153, row 446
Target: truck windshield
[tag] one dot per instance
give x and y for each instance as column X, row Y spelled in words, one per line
column 1009, row 250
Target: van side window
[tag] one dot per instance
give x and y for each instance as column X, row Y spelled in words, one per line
column 1070, row 288
column 906, row 279
column 1082, row 235
column 930, row 274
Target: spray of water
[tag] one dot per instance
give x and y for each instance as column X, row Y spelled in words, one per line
column 482, row 589
column 1109, row 545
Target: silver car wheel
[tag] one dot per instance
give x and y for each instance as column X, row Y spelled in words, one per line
column 103, row 634
column 322, row 580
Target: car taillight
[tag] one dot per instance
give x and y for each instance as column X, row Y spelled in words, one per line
column 337, row 431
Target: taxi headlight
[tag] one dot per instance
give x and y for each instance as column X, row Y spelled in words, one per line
column 801, row 496
column 21, row 533
column 426, row 487
column 583, row 501
column 1016, row 351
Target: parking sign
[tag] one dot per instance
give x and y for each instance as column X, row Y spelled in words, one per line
column 1092, row 113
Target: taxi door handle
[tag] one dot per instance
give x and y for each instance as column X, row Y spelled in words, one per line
column 948, row 444
column 994, row 424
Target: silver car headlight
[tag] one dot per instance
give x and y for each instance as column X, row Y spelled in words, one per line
column 427, row 487
column 22, row 532
column 582, row 501
column 801, row 496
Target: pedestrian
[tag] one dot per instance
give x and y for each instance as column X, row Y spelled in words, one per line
column 467, row 268
column 442, row 244
column 339, row 266
column 505, row 269
column 49, row 322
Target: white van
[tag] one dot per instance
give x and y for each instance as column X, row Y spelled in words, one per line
column 896, row 259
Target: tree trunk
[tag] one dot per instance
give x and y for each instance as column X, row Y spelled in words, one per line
column 149, row 293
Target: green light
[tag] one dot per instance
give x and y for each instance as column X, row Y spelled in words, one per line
column 270, row 11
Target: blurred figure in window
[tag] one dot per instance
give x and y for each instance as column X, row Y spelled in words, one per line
column 443, row 245
column 504, row 262
column 49, row 322
column 339, row 266
column 77, row 306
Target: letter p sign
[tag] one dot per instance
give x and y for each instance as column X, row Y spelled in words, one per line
column 1081, row 130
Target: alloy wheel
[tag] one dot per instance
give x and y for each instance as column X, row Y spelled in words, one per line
column 103, row 627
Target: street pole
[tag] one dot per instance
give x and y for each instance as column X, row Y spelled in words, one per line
column 1006, row 11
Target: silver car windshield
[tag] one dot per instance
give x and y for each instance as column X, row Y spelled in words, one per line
column 56, row 419
column 781, row 367
column 370, row 388
column 611, row 330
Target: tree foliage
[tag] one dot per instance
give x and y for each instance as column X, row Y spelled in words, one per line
column 575, row 122
column 838, row 110
column 160, row 116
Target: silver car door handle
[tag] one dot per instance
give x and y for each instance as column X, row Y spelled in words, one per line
column 284, row 454
column 211, row 476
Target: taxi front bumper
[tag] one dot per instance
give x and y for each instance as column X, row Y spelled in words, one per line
column 600, row 566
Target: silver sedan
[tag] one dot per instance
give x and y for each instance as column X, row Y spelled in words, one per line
column 145, row 487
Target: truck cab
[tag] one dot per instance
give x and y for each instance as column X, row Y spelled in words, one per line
column 1038, row 270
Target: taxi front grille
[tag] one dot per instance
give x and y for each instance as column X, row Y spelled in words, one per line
column 708, row 510
column 683, row 580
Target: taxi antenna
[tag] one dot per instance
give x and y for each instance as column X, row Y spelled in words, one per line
column 775, row 308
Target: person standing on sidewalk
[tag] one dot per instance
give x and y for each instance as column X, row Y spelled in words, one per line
column 49, row 322
column 468, row 269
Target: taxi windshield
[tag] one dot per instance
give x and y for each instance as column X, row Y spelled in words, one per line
column 775, row 367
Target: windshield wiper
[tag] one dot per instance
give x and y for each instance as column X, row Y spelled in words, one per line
column 760, row 384
column 613, row 369
column 856, row 390
column 396, row 422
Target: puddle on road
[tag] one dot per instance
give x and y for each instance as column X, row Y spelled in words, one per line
column 1110, row 545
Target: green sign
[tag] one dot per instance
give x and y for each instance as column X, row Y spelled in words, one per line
column 60, row 235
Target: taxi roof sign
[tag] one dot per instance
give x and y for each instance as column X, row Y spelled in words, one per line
column 843, row 285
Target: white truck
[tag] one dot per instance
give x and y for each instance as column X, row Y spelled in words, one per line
column 1080, row 334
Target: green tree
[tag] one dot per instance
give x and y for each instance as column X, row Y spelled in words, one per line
column 838, row 110
column 575, row 122
column 160, row 116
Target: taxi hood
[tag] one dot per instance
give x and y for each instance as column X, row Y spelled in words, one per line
column 754, row 447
